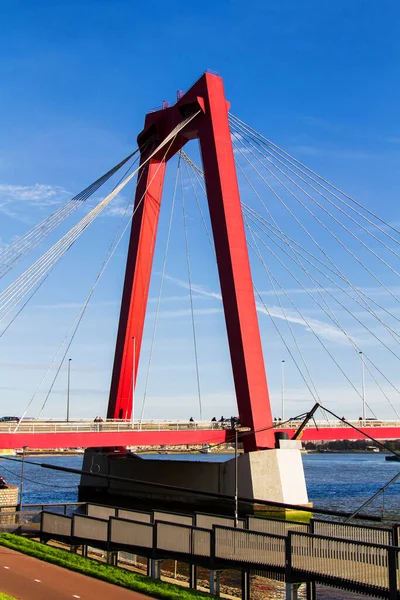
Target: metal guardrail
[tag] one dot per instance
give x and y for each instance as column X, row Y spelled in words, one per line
column 100, row 512
column 183, row 519
column 83, row 426
column 349, row 564
column 249, row 547
column 358, row 533
column 89, row 528
column 334, row 559
column 207, row 521
column 134, row 515
column 128, row 534
column 275, row 526
column 86, row 426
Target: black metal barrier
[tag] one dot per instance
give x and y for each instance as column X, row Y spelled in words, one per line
column 350, row 564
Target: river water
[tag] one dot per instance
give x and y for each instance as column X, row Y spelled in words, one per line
column 335, row 481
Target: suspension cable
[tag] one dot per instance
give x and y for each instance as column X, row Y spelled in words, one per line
column 79, row 317
column 286, row 154
column 11, row 255
column 337, row 272
column 16, row 291
column 190, row 292
column 335, row 237
column 325, row 210
column 271, row 157
column 153, row 337
column 336, row 321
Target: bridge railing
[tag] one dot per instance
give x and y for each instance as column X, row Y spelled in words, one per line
column 207, row 521
column 330, row 559
column 248, row 547
column 275, row 526
column 92, row 528
column 131, row 535
column 179, row 518
column 134, row 515
column 358, row 533
column 55, row 526
column 350, row 564
column 86, row 426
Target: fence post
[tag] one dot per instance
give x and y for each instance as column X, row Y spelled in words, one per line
column 288, row 557
column 311, row 593
column 392, row 573
column 193, row 576
column 215, row 583
column 192, row 567
column 246, row 585
column 291, row 588
column 395, row 535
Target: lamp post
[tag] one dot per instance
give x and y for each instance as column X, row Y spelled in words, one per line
column 133, row 377
column 283, row 390
column 362, row 384
column 237, row 430
column 68, row 387
column 21, row 487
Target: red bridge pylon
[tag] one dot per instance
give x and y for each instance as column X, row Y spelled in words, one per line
column 211, row 127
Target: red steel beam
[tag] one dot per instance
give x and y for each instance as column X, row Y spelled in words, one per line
column 211, row 127
column 175, row 438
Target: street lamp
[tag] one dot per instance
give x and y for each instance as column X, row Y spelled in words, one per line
column 237, row 430
column 21, row 487
column 68, row 388
column 133, row 376
column 362, row 384
column 283, row 390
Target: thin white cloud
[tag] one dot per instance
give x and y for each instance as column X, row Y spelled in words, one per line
column 176, row 314
column 38, row 194
column 321, row 328
column 67, row 305
column 15, row 199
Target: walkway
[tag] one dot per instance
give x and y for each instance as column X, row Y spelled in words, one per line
column 28, row 578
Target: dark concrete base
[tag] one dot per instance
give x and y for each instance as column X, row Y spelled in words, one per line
column 260, row 475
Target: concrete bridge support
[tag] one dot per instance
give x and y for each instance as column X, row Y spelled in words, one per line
column 276, row 475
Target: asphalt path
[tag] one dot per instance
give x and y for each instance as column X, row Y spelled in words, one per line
column 28, row 578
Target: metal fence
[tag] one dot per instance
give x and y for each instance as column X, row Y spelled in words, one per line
column 100, row 512
column 207, row 521
column 348, row 564
column 249, row 547
column 134, row 515
column 358, row 533
column 160, row 515
column 89, row 528
column 172, row 537
column 275, row 526
column 56, row 525
column 130, row 534
column 330, row 558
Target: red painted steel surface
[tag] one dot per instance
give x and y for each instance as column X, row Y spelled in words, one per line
column 175, row 438
column 211, row 127
column 136, row 288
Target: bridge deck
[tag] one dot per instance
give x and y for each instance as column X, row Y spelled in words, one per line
column 85, row 434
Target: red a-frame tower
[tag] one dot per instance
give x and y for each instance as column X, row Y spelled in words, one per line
column 211, row 127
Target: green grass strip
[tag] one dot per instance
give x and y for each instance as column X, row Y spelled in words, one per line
column 92, row 568
column 5, row 597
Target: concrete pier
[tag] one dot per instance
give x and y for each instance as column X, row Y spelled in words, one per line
column 275, row 475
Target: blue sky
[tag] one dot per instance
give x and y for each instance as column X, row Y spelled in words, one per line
column 321, row 79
